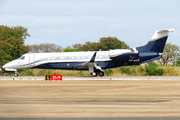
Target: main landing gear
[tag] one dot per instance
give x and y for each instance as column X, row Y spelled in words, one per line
column 95, row 70
column 100, row 73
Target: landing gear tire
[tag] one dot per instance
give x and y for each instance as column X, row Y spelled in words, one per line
column 101, row 74
column 16, row 74
column 94, row 74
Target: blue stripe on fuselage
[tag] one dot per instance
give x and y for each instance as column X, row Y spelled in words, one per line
column 70, row 65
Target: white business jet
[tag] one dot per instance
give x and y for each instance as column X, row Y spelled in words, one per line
column 93, row 61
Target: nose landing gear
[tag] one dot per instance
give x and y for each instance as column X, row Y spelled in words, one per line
column 15, row 74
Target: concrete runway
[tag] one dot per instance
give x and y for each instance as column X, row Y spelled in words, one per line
column 152, row 97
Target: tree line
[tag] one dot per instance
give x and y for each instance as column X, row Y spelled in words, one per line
column 12, row 43
column 12, row 46
column 105, row 43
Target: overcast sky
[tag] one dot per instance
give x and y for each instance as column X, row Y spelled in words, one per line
column 67, row 22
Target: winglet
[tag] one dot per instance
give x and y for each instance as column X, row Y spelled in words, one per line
column 93, row 57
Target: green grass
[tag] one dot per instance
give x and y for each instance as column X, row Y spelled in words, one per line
column 139, row 70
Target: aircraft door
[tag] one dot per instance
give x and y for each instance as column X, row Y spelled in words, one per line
column 31, row 59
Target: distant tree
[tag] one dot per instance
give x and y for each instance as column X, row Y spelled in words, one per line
column 177, row 63
column 103, row 44
column 112, row 43
column 12, row 43
column 77, row 47
column 69, row 50
column 47, row 47
column 90, row 46
column 170, row 53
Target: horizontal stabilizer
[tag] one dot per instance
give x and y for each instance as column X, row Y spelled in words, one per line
column 161, row 33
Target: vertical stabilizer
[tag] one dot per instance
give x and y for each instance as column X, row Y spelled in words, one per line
column 157, row 42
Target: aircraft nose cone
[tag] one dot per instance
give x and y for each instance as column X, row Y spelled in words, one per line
column 6, row 65
column 9, row 65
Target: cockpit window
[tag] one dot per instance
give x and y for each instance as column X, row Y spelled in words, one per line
column 22, row 57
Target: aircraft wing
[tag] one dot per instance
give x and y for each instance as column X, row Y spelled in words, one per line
column 88, row 65
column 83, row 66
column 93, row 57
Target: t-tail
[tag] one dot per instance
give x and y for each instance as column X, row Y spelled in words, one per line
column 157, row 42
column 154, row 48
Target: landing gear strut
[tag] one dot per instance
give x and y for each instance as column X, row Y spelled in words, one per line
column 95, row 70
column 16, row 73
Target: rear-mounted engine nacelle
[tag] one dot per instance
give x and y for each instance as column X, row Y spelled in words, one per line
column 125, row 56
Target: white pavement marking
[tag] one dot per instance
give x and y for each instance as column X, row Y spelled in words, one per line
column 94, row 78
